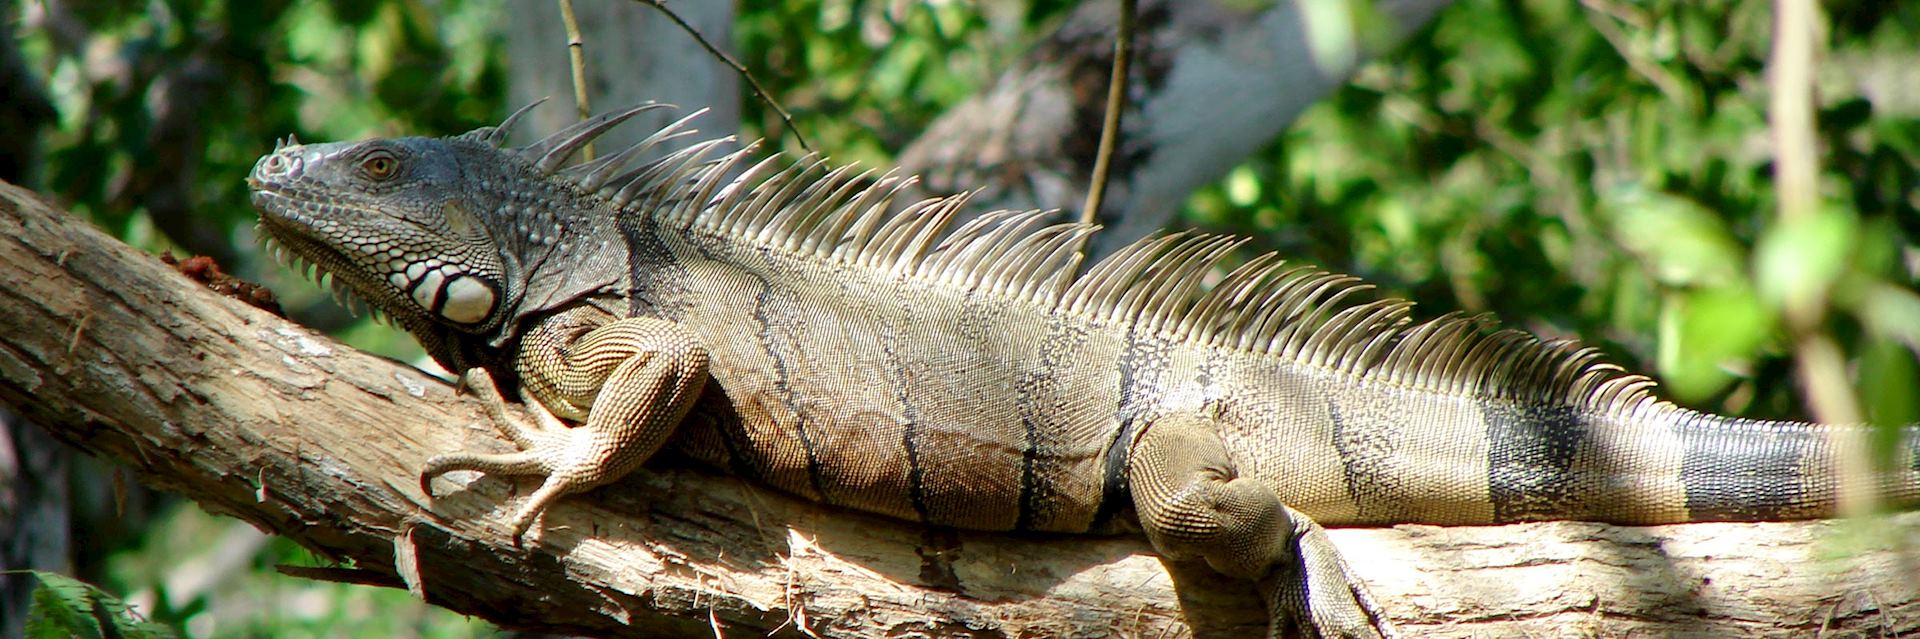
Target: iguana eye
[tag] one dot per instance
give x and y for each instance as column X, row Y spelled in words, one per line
column 380, row 166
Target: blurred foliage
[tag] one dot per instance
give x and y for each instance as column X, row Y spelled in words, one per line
column 197, row 90
column 863, row 77
column 224, row 570
column 1603, row 169
column 1599, row 169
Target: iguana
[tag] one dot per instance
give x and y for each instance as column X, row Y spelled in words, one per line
column 784, row 320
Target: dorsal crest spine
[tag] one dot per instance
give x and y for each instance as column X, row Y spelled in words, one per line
column 808, row 208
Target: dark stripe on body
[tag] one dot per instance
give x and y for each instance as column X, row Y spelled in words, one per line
column 1530, row 461
column 639, row 240
column 1760, row 472
column 910, row 431
column 1138, row 377
column 1027, row 406
column 916, row 478
column 782, row 380
column 714, row 405
column 1114, row 494
column 647, row 263
column 1028, row 496
column 1366, row 445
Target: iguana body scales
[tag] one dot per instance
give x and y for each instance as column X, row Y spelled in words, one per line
column 786, row 321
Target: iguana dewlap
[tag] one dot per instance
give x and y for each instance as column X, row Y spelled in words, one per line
column 787, row 321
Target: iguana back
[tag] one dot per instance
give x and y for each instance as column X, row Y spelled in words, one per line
column 973, row 379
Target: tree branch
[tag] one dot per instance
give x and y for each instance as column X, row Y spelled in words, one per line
column 266, row 421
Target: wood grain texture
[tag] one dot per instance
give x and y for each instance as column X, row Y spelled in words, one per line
column 263, row 420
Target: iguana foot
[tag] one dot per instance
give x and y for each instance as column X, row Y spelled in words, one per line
column 631, row 380
column 479, row 382
column 570, row 458
column 1193, row 502
column 1317, row 595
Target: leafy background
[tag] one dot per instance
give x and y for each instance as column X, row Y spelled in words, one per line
column 1600, row 169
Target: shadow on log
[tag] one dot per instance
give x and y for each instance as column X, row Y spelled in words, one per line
column 266, row 421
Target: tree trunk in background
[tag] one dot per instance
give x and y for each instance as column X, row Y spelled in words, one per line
column 1212, row 82
column 35, row 497
column 35, row 514
column 634, row 54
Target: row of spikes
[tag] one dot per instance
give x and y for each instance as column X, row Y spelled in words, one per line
column 1304, row 315
column 809, row 208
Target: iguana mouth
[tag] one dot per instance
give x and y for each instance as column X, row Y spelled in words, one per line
column 287, row 231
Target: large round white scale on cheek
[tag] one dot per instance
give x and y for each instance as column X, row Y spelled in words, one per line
column 468, row 300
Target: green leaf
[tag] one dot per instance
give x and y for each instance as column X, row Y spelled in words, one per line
column 1888, row 375
column 1893, row 312
column 1706, row 335
column 65, row 607
column 62, row 607
column 1682, row 242
column 1798, row 260
column 1243, row 186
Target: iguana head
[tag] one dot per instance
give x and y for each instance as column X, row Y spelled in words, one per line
column 458, row 239
column 394, row 222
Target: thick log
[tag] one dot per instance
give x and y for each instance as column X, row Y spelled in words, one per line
column 266, row 421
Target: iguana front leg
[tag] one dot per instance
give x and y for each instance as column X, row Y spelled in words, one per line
column 1192, row 503
column 630, row 380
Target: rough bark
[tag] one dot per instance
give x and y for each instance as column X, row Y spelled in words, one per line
column 269, row 422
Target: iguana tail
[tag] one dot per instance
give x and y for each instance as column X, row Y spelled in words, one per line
column 1403, row 455
column 1682, row 465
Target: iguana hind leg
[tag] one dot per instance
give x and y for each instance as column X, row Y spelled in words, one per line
column 1192, row 502
column 632, row 379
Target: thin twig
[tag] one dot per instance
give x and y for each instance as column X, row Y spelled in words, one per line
column 758, row 90
column 1790, row 108
column 1821, row 365
column 1110, row 127
column 577, row 57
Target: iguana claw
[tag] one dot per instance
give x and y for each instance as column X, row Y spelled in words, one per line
column 1318, row 595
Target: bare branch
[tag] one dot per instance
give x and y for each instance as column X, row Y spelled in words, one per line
column 577, row 62
column 1110, row 124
